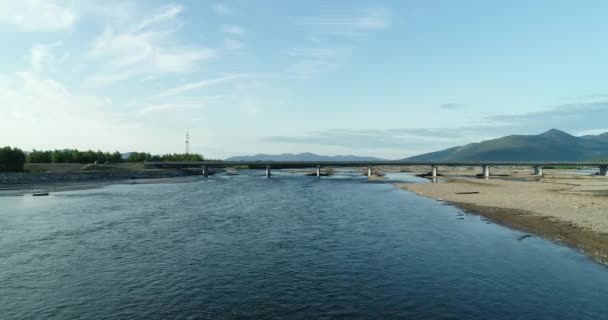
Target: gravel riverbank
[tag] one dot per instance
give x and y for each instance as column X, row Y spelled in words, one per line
column 22, row 183
column 568, row 209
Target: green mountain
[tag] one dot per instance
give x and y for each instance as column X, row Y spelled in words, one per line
column 553, row 145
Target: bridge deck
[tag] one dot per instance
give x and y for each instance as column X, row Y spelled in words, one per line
column 304, row 164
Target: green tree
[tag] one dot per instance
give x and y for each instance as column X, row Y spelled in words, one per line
column 38, row 156
column 182, row 157
column 115, row 157
column 139, row 157
column 11, row 159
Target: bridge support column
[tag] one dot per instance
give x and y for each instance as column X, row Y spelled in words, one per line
column 205, row 171
column 318, row 171
column 538, row 170
column 604, row 171
column 486, row 171
column 268, row 172
column 369, row 171
column 434, row 171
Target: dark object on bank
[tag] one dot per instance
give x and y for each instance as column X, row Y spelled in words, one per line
column 467, row 192
column 314, row 174
column 428, row 174
column 40, row 194
column 524, row 237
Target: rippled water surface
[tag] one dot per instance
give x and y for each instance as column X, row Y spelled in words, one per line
column 289, row 247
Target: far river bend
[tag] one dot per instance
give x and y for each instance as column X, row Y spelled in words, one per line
column 289, row 247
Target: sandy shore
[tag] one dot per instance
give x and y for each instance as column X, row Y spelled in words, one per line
column 565, row 207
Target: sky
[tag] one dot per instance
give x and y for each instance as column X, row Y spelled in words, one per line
column 389, row 79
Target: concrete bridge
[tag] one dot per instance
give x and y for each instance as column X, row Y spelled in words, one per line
column 433, row 165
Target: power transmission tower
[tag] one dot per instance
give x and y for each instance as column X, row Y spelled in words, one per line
column 187, row 142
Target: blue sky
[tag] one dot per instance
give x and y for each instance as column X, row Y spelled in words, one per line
column 383, row 78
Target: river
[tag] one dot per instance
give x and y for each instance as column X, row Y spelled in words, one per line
column 288, row 247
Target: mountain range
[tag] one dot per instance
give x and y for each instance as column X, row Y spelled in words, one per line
column 307, row 156
column 553, row 145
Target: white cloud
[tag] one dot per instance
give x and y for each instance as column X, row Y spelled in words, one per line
column 348, row 21
column 197, row 85
column 307, row 68
column 452, row 106
column 199, row 103
column 166, row 13
column 223, row 9
column 232, row 29
column 147, row 48
column 315, row 60
column 592, row 132
column 232, row 44
column 320, row 52
column 37, row 15
column 104, row 79
column 54, row 117
column 42, row 57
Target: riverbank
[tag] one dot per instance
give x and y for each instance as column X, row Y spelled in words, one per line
column 20, row 190
column 64, row 177
column 570, row 209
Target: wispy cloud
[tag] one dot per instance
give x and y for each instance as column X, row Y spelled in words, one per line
column 232, row 29
column 319, row 56
column 164, row 14
column 42, row 57
column 318, row 52
column 104, row 79
column 311, row 61
column 200, row 103
column 308, row 68
column 223, row 9
column 452, row 106
column 198, row 85
column 148, row 47
column 348, row 21
column 587, row 97
column 33, row 15
column 232, row 44
column 593, row 132
column 376, row 138
column 571, row 117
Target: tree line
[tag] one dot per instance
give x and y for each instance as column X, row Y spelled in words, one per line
column 13, row 159
column 144, row 156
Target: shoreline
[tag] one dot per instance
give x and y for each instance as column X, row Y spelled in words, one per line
column 22, row 190
column 573, row 226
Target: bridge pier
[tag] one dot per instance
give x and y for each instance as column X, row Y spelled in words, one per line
column 268, row 173
column 538, row 171
column 205, row 171
column 318, row 171
column 604, row 171
column 486, row 171
column 434, row 171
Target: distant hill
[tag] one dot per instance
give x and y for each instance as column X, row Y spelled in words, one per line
column 300, row 157
column 553, row 145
